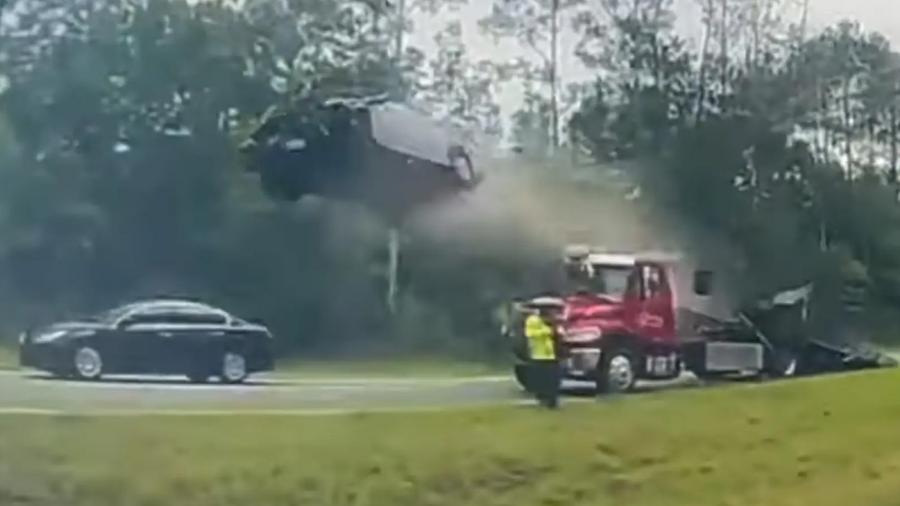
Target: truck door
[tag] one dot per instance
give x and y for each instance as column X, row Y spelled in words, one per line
column 655, row 318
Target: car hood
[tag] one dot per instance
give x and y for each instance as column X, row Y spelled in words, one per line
column 255, row 327
column 67, row 326
column 60, row 330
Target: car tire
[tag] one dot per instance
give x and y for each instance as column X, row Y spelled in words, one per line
column 463, row 168
column 87, row 363
column 617, row 373
column 233, row 367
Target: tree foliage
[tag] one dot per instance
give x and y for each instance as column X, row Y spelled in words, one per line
column 460, row 89
column 786, row 146
column 119, row 122
column 121, row 179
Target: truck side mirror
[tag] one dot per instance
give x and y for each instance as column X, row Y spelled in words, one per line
column 703, row 283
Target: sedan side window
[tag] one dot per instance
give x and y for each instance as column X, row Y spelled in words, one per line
column 146, row 318
column 197, row 318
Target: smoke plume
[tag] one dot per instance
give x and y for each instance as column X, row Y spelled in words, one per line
column 529, row 211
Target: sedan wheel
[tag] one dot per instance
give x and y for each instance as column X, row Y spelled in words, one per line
column 234, row 367
column 463, row 167
column 88, row 363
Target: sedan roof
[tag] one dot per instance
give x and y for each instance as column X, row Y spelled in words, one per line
column 170, row 303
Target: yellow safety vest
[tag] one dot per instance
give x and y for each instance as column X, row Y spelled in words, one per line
column 540, row 338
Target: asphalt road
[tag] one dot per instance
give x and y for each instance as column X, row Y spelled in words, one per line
column 30, row 392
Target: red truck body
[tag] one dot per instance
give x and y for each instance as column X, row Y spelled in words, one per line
column 619, row 308
column 649, row 317
column 617, row 322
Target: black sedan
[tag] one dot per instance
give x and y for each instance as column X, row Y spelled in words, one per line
column 370, row 150
column 152, row 337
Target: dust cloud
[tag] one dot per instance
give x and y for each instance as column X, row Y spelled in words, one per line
column 530, row 211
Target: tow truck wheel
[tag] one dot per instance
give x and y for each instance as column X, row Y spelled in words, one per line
column 616, row 373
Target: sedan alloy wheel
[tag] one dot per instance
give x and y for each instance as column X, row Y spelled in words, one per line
column 88, row 363
column 234, row 367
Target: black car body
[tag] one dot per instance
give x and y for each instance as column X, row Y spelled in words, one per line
column 152, row 337
column 383, row 154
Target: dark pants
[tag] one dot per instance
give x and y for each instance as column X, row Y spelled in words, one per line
column 546, row 378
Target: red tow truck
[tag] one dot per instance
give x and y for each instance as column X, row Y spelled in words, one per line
column 620, row 321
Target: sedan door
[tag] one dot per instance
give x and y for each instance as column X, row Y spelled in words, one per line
column 192, row 339
column 143, row 336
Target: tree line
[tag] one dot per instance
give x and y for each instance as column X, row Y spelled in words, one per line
column 783, row 141
column 119, row 122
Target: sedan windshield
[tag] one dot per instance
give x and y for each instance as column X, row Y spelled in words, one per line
column 113, row 315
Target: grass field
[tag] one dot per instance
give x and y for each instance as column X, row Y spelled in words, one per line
column 9, row 359
column 823, row 441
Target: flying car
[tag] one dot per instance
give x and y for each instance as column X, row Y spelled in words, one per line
column 382, row 153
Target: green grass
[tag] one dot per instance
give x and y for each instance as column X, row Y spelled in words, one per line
column 418, row 367
column 824, row 441
column 9, row 358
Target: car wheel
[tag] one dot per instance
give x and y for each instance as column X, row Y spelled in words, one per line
column 87, row 363
column 617, row 373
column 234, row 367
column 463, row 168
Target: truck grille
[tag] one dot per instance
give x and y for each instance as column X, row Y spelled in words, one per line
column 582, row 361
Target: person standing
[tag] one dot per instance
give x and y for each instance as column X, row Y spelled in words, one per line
column 542, row 349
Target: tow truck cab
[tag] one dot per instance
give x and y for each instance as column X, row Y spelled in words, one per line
column 617, row 323
column 619, row 303
column 620, row 320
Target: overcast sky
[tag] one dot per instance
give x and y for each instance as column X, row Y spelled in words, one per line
column 879, row 15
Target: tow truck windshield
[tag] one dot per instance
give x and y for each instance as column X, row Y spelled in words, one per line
column 599, row 279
